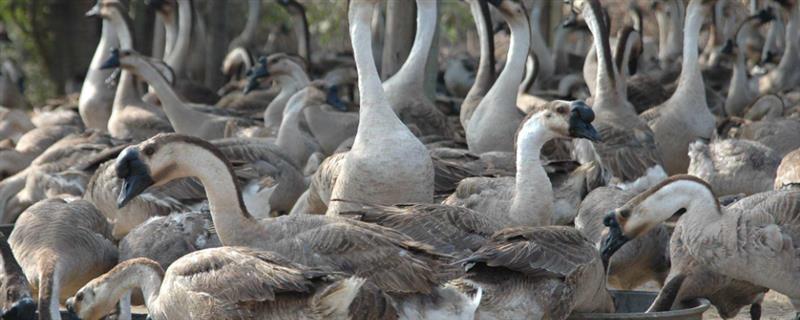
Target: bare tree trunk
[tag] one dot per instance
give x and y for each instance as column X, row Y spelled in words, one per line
column 217, row 41
column 399, row 37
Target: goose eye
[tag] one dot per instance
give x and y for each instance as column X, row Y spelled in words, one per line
column 562, row 109
column 625, row 213
column 79, row 296
column 148, row 151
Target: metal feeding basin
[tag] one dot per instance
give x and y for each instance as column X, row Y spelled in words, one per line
column 633, row 304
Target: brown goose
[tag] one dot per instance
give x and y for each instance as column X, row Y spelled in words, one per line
column 60, row 247
column 344, row 245
column 750, row 241
column 628, row 148
column 685, row 117
column 207, row 285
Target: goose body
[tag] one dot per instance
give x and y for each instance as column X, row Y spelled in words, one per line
column 382, row 140
column 734, row 166
column 60, row 247
column 750, row 241
column 194, row 286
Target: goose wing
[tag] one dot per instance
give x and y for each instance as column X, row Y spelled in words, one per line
column 388, row 258
column 627, row 152
column 536, row 251
column 448, row 229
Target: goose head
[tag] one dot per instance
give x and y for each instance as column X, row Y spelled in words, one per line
column 672, row 197
column 23, row 308
column 511, row 10
column 275, row 67
column 99, row 297
column 155, row 162
column 105, row 8
column 321, row 91
column 131, row 60
column 562, row 119
column 161, row 5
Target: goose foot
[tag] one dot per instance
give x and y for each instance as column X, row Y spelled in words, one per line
column 755, row 311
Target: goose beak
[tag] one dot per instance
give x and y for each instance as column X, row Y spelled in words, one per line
column 112, row 61
column 25, row 309
column 614, row 240
column 71, row 315
column 728, row 47
column 94, row 11
column 332, row 99
column 134, row 174
column 580, row 122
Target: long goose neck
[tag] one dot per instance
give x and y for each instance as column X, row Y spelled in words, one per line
column 170, row 28
column 145, row 276
column 691, row 79
column 533, row 192
column 605, row 94
column 289, row 133
column 300, row 22
column 182, row 118
column 126, row 90
column 177, row 59
column 289, row 85
column 539, row 46
column 228, row 212
column 485, row 75
column 508, row 81
column 676, row 36
column 108, row 40
column 375, row 110
column 49, row 287
column 413, row 70
column 253, row 17
column 790, row 54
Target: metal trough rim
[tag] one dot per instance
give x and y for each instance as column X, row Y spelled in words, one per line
column 701, row 306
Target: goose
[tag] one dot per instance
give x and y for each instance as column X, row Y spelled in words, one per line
column 773, row 43
column 788, row 175
column 671, row 37
column 749, row 241
column 275, row 289
column 381, row 139
column 416, row 274
column 271, row 183
column 51, row 174
column 459, row 75
column 784, row 77
column 644, row 259
column 734, row 166
column 295, row 142
column 782, row 135
column 403, row 90
column 484, row 78
column 96, row 96
column 741, row 91
column 60, row 247
column 180, row 56
column 184, row 118
column 628, row 148
column 14, row 123
column 538, row 273
column 130, row 116
column 288, row 75
column 16, row 300
column 689, row 280
column 246, row 39
column 300, row 27
column 527, row 198
column 235, row 66
column 329, row 126
column 32, row 144
column 468, row 229
column 165, row 239
column 685, row 117
column 766, row 107
column 495, row 119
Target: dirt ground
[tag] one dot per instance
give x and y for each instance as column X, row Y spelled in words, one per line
column 776, row 306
